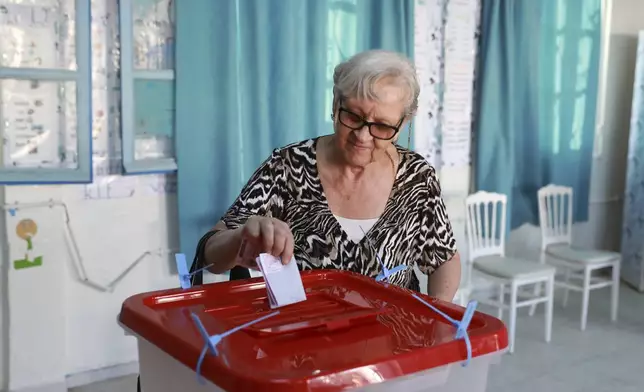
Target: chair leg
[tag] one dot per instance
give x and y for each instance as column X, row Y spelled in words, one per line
column 585, row 298
column 501, row 301
column 536, row 293
column 513, row 315
column 614, row 303
column 537, row 287
column 566, row 291
column 550, row 292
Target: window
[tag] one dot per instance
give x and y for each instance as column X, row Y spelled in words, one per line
column 147, row 86
column 575, row 43
column 45, row 92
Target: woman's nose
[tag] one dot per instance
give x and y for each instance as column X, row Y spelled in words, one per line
column 363, row 134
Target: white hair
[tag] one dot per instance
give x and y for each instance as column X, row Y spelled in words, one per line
column 358, row 76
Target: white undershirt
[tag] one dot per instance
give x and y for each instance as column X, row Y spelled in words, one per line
column 355, row 228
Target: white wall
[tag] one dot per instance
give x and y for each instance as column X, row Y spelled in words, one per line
column 60, row 326
column 627, row 17
column 4, row 305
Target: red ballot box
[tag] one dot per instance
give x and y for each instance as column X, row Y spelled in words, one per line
column 351, row 333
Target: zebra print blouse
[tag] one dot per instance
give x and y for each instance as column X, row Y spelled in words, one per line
column 414, row 227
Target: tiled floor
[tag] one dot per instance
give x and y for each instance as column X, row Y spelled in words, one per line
column 606, row 357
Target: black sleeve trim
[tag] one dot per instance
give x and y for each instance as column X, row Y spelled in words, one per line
column 199, row 262
column 200, row 258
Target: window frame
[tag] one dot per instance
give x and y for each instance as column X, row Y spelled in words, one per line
column 82, row 77
column 129, row 75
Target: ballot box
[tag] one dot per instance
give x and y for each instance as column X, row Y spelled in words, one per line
column 352, row 333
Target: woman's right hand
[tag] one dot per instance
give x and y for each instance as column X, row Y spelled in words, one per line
column 261, row 234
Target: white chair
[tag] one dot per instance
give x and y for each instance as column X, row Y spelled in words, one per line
column 485, row 224
column 555, row 220
column 470, row 282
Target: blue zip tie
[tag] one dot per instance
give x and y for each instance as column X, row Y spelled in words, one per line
column 212, row 341
column 386, row 273
column 461, row 326
column 184, row 275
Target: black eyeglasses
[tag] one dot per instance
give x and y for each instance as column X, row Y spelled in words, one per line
column 377, row 130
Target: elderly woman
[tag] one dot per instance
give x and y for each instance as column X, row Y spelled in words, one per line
column 335, row 201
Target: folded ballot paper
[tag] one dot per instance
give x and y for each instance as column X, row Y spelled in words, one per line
column 283, row 282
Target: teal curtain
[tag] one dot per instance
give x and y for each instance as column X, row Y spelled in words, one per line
column 537, row 92
column 254, row 75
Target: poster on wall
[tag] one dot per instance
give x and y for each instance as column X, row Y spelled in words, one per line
column 445, row 34
column 429, row 25
column 460, row 63
column 26, row 230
